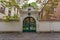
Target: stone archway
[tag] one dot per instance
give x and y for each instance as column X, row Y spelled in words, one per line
column 29, row 24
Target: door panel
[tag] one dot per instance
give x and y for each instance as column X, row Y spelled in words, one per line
column 29, row 25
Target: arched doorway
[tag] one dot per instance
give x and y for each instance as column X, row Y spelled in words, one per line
column 29, row 24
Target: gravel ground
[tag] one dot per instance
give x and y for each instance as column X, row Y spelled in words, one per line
column 29, row 36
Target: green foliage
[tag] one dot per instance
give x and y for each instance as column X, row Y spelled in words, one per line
column 9, row 3
column 13, row 3
column 11, row 18
column 2, row 0
column 33, row 4
column 25, row 5
column 15, row 16
column 7, row 18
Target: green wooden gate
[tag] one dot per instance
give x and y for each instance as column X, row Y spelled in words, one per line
column 29, row 24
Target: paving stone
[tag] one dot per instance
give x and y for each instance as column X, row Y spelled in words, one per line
column 30, row 36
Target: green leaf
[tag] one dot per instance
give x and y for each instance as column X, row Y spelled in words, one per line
column 25, row 5
column 34, row 5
